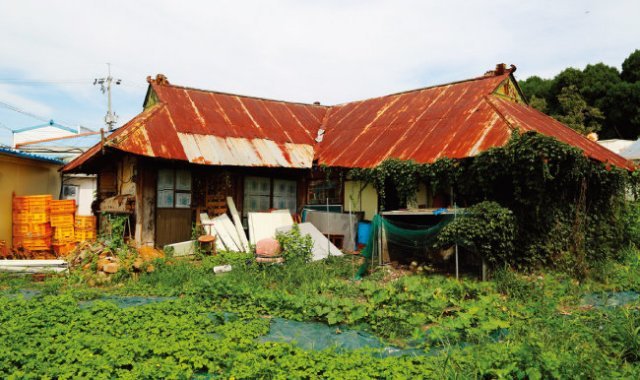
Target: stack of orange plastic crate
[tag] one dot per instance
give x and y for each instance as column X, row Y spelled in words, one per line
column 31, row 228
column 63, row 223
column 85, row 228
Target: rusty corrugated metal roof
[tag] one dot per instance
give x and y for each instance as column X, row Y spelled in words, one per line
column 422, row 125
column 527, row 118
column 455, row 120
column 213, row 128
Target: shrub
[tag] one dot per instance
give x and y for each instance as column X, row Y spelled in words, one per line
column 568, row 210
column 486, row 228
column 295, row 247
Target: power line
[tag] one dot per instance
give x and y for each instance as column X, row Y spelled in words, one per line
column 16, row 109
column 34, row 82
column 3, row 125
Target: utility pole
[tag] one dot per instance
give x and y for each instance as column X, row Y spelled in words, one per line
column 110, row 118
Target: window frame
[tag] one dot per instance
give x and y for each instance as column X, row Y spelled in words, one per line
column 175, row 190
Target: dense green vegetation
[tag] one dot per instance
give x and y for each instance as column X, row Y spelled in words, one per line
column 598, row 98
column 515, row 326
column 549, row 205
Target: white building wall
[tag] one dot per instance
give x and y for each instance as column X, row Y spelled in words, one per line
column 87, row 186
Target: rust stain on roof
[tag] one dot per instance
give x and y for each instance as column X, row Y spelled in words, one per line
column 529, row 119
column 422, row 125
column 455, row 120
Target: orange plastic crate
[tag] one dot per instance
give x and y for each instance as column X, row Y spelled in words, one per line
column 32, row 203
column 85, row 222
column 30, row 217
column 64, row 249
column 32, row 199
column 32, row 230
column 32, row 244
column 61, row 220
column 65, row 206
column 63, row 234
column 85, row 235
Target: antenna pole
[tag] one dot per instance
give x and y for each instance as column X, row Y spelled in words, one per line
column 110, row 118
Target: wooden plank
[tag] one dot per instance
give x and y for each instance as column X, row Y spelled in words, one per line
column 244, row 243
column 33, row 263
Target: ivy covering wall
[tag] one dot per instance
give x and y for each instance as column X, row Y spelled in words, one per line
column 568, row 210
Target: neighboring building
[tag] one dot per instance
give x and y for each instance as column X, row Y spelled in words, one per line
column 632, row 151
column 45, row 131
column 190, row 148
column 617, row 146
column 24, row 174
column 80, row 187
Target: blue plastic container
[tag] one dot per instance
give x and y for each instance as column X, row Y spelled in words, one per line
column 364, row 232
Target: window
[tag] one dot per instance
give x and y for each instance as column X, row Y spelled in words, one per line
column 258, row 194
column 70, row 192
column 174, row 188
column 323, row 189
column 284, row 195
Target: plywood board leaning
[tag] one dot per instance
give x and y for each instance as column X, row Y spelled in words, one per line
column 333, row 223
column 226, row 231
column 207, row 224
column 320, row 242
column 238, row 224
column 264, row 224
column 184, row 248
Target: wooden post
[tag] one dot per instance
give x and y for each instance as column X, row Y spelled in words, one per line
column 457, row 267
column 385, row 259
column 484, row 269
column 102, row 140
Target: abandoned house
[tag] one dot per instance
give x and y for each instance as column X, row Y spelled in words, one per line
column 190, row 148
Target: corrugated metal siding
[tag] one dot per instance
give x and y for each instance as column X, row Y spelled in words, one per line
column 213, row 150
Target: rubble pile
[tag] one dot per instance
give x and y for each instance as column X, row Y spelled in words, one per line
column 98, row 258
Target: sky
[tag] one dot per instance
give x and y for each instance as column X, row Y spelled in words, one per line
column 329, row 51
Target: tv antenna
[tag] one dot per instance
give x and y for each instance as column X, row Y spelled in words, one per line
column 110, row 118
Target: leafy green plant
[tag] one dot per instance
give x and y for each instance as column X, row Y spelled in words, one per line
column 296, row 248
column 113, row 231
column 519, row 326
column 485, row 228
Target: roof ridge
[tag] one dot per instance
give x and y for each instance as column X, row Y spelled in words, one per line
column 238, row 95
column 131, row 127
column 164, row 82
column 49, row 124
column 509, row 123
column 482, row 77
